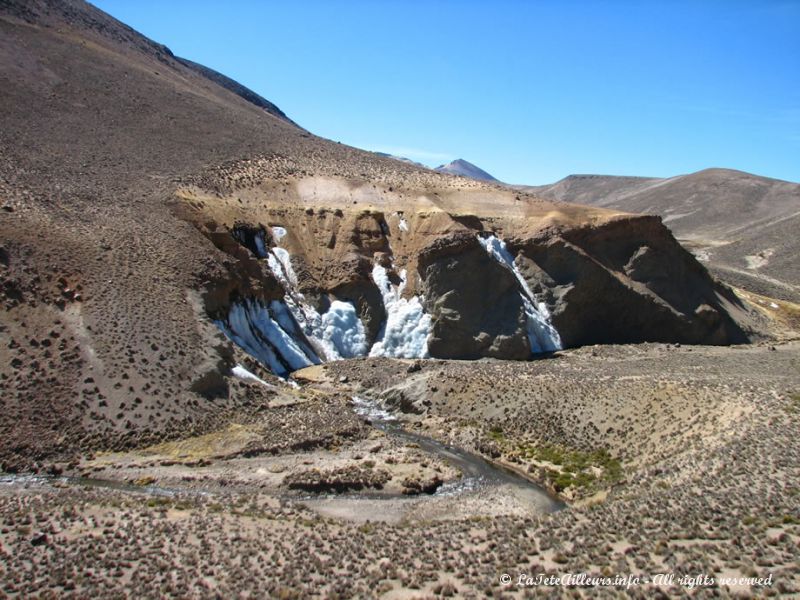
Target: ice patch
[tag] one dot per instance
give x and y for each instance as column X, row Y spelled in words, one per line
column 250, row 324
column 371, row 410
column 405, row 333
column 542, row 336
column 242, row 373
column 402, row 223
column 342, row 328
column 281, row 265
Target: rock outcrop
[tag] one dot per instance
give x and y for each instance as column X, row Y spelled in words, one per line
column 474, row 301
column 628, row 281
column 551, row 281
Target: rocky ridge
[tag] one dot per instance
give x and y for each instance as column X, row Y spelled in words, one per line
column 739, row 224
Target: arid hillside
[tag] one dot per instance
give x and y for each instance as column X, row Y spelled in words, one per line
column 145, row 201
column 742, row 226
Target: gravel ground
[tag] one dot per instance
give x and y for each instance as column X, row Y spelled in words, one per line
column 717, row 495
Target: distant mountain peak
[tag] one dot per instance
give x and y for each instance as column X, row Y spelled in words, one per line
column 465, row 169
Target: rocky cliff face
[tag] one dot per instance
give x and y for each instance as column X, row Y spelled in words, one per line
column 628, row 281
column 474, row 300
column 459, row 275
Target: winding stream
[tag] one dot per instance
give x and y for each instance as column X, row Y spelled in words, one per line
column 484, row 488
column 27, row 480
column 479, row 474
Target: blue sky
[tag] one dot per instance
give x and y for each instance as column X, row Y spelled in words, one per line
column 529, row 91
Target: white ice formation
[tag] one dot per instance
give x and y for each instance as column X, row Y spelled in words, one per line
column 337, row 333
column 242, row 373
column 265, row 333
column 276, row 333
column 542, row 335
column 405, row 333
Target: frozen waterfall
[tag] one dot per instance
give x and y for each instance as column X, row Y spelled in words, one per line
column 337, row 333
column 291, row 333
column 263, row 332
column 542, row 335
column 405, row 333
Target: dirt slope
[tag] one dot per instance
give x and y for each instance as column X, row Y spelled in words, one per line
column 744, row 226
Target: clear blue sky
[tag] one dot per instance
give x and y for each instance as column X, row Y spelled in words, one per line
column 529, row 91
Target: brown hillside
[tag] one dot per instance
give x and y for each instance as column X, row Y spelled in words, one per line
column 122, row 175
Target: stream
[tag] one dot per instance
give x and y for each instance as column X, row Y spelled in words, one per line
column 484, row 489
column 477, row 470
column 28, row 480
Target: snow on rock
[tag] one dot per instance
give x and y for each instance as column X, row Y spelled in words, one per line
column 402, row 224
column 542, row 335
column 405, row 333
column 242, row 373
column 281, row 266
